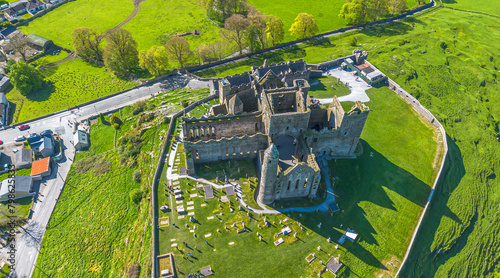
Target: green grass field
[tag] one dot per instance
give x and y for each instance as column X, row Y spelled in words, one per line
column 328, row 87
column 99, row 15
column 158, row 20
column 96, row 227
column 450, row 63
column 391, row 188
column 68, row 84
column 485, row 6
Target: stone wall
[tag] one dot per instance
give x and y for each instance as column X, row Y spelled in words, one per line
column 221, row 126
column 287, row 123
column 299, row 181
column 245, row 147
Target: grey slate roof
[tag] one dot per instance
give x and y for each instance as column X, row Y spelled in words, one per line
column 278, row 69
column 243, row 78
column 24, row 156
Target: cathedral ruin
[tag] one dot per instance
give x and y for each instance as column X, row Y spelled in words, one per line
column 267, row 115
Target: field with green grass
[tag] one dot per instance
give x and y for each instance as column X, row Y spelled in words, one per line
column 97, row 227
column 68, row 84
column 96, row 14
column 449, row 61
column 484, row 6
column 159, row 20
column 47, row 59
column 327, row 87
column 390, row 187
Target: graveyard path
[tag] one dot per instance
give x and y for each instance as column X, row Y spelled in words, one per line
column 330, row 198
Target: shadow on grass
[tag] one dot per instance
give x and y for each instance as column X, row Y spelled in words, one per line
column 397, row 28
column 421, row 262
column 42, row 94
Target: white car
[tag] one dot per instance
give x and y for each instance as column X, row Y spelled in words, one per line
column 15, row 150
column 20, row 138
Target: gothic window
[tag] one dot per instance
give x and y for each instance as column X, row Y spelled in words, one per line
column 256, row 126
column 345, row 133
column 288, row 188
column 297, row 184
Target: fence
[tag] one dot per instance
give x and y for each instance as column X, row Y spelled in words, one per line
column 156, row 178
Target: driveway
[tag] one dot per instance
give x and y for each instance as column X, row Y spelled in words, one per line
column 357, row 85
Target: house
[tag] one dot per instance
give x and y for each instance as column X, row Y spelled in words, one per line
column 81, row 140
column 23, row 158
column 41, row 168
column 16, row 9
column 43, row 146
column 4, row 110
column 23, row 188
column 39, row 43
column 4, row 83
column 34, row 6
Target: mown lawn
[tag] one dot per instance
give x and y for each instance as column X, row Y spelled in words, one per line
column 449, row 61
column 388, row 186
column 66, row 85
column 327, row 87
column 96, row 14
column 49, row 58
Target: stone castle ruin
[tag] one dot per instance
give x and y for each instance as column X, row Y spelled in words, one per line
column 267, row 115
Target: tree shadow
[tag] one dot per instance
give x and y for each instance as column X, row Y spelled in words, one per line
column 396, row 28
column 420, row 261
column 42, row 94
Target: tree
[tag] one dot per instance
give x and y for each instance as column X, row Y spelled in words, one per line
column 25, row 77
column 354, row 11
column 18, row 43
column 155, row 60
column 8, row 65
column 120, row 54
column 378, row 8
column 304, row 26
column 258, row 23
column 253, row 41
column 274, row 30
column 235, row 29
column 396, row 6
column 178, row 49
column 87, row 43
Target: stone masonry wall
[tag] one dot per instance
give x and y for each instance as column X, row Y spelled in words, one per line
column 221, row 127
column 245, row 147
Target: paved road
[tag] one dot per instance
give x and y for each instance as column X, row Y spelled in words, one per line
column 29, row 241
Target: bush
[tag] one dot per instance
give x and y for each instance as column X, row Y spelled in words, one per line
column 115, row 120
column 165, row 120
column 185, row 103
column 115, row 126
column 136, row 195
column 137, row 175
column 139, row 107
column 150, row 106
column 146, row 118
column 353, row 41
column 101, row 167
column 101, row 116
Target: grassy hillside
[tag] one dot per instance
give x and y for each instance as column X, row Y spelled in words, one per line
column 449, row 61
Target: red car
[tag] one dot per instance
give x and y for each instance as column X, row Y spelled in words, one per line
column 23, row 127
column 1, row 142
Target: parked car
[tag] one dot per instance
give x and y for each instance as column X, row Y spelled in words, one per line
column 1, row 142
column 48, row 131
column 23, row 127
column 20, row 138
column 57, row 156
column 6, row 166
column 33, row 135
column 15, row 150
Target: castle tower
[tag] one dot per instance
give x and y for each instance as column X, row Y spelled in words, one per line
column 224, row 90
column 268, row 174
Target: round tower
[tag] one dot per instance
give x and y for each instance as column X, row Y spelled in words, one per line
column 268, row 174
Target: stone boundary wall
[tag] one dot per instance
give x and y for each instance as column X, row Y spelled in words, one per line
column 156, row 179
column 426, row 115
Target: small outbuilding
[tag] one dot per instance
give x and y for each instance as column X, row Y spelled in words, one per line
column 23, row 158
column 39, row 43
column 23, row 188
column 81, row 139
column 41, row 168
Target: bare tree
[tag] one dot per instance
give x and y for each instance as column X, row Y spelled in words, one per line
column 19, row 44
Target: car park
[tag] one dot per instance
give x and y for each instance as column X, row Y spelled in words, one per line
column 23, row 127
column 20, row 138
